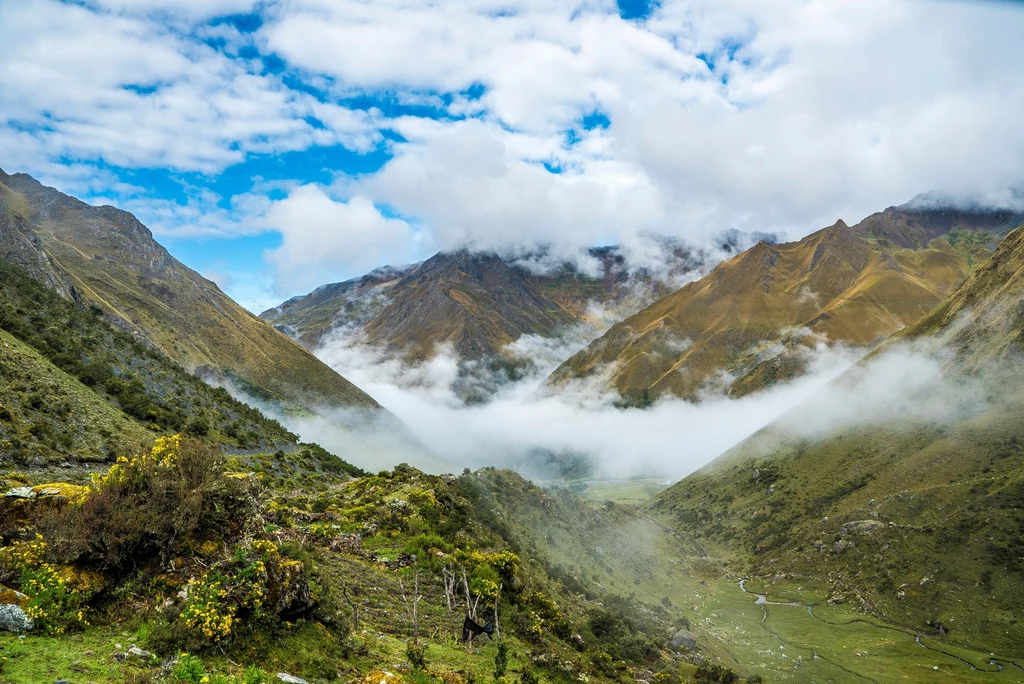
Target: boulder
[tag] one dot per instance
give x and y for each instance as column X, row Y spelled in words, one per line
column 290, row 679
column 21, row 493
column 288, row 593
column 381, row 677
column 13, row 618
column 684, row 639
column 860, row 527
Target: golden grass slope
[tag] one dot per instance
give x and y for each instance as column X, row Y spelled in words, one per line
column 111, row 260
column 840, row 282
column 983, row 322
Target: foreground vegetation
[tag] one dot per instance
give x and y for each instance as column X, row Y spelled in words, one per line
column 237, row 568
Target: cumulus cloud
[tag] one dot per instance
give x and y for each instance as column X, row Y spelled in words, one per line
column 555, row 123
column 133, row 92
column 322, row 236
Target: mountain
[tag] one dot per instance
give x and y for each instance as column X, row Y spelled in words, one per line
column 477, row 302
column 104, row 257
column 747, row 322
column 75, row 391
column 911, row 515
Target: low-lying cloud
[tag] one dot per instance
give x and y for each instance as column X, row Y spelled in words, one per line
column 672, row 438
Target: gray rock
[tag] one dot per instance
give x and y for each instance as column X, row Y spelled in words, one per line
column 13, row 618
column 684, row 639
column 21, row 493
column 139, row 653
column 860, row 527
column 290, row 679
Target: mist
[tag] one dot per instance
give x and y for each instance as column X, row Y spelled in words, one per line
column 522, row 418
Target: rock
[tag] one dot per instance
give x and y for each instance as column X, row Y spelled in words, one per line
column 684, row 639
column 288, row 593
column 290, row 679
column 61, row 681
column 21, row 493
column 860, row 527
column 841, row 546
column 139, row 653
column 13, row 618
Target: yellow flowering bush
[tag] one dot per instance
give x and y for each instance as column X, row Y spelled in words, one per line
column 163, row 455
column 215, row 599
column 54, row 605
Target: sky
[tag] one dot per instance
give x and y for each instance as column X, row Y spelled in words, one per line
column 281, row 144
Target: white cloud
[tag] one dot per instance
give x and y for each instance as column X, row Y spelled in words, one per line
column 133, row 92
column 814, row 110
column 322, row 236
column 673, row 438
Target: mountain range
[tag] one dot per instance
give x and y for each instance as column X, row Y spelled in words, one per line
column 745, row 325
column 871, row 533
column 478, row 303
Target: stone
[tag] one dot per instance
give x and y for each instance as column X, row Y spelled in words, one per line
column 684, row 639
column 290, row 679
column 139, row 653
column 21, row 493
column 13, row 618
column 860, row 527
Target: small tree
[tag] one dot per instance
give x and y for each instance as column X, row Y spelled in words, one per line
column 501, row 660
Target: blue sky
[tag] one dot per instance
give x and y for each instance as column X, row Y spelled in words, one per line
column 275, row 146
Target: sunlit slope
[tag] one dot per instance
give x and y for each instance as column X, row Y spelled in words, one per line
column 852, row 285
column 109, row 259
column 983, row 322
column 916, row 521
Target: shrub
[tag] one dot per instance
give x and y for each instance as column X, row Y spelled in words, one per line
column 147, row 504
column 417, row 655
column 54, row 605
column 501, row 660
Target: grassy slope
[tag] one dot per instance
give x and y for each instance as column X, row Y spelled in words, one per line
column 845, row 283
column 116, row 386
column 949, row 495
column 111, row 261
column 47, row 415
column 312, row 506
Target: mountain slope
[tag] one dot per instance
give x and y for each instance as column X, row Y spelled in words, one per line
column 75, row 389
column 476, row 302
column 853, row 285
column 913, row 516
column 104, row 257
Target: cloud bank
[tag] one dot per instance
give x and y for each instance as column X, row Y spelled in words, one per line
column 511, row 124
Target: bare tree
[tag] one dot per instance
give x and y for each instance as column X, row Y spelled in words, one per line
column 412, row 609
column 497, row 632
column 351, row 604
column 470, row 603
column 450, row 578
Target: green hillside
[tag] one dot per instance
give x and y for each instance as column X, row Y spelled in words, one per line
column 119, row 392
column 914, row 521
column 104, row 257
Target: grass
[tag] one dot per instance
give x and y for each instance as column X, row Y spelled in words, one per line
column 623, row 492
